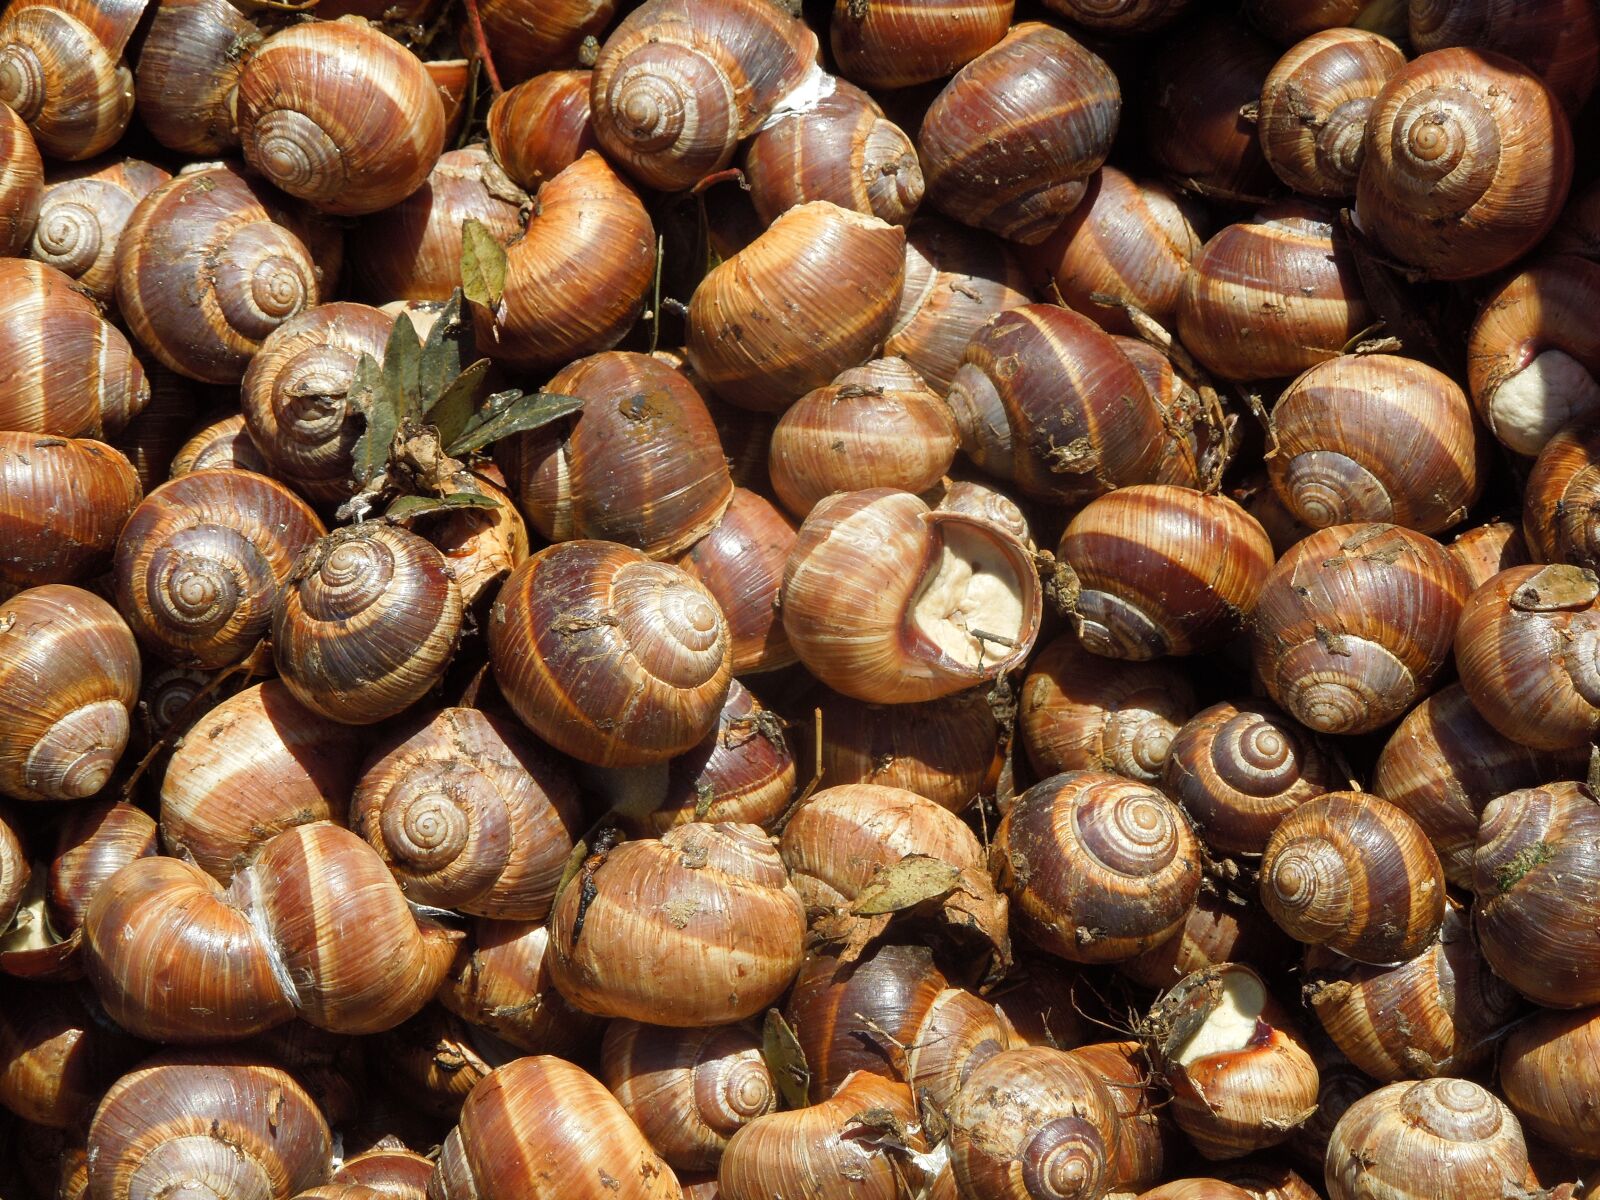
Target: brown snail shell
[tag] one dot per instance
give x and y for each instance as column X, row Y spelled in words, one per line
column 48, row 541
column 897, row 43
column 61, row 71
column 540, row 127
column 740, row 562
column 1547, row 1073
column 502, row 984
column 946, row 749
column 225, row 442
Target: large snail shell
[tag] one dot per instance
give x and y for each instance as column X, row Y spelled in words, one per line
column 897, row 43
column 1559, row 504
column 1034, row 1124
column 577, row 279
column 946, row 749
column 679, row 84
column 1354, row 873
column 1548, row 1068
column 1467, row 163
column 1377, row 438
column 641, row 464
column 689, row 1090
column 61, row 72
column 296, row 395
column 46, row 540
column 69, row 372
column 366, row 623
column 341, row 115
column 21, row 183
column 608, row 656
column 206, row 272
column 188, row 71
column 815, row 294
column 1556, row 38
column 1098, row 868
column 69, row 678
column 470, row 814
column 82, row 215
column 1354, row 623
column 278, row 763
column 225, row 1123
column 698, row 927
column 541, row 1128
column 201, row 561
column 889, row 602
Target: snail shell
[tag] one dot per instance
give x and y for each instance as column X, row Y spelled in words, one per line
column 50, row 542
column 61, row 71
column 225, row 442
column 188, row 74
column 541, row 127
column 897, row 43
column 503, row 985
column 1547, row 1074
column 740, row 562
column 1557, row 38
column 946, row 750
column 21, row 183
column 81, row 218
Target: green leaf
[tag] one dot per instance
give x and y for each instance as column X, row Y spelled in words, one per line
column 785, row 1059
column 371, row 454
column 444, row 352
column 518, row 416
column 402, row 356
column 406, row 508
column 452, row 411
column 483, row 264
column 907, row 884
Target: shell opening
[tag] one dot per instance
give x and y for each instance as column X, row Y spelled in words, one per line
column 1550, row 392
column 1233, row 1024
column 971, row 605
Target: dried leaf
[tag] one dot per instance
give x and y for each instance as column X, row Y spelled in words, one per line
column 909, row 882
column 451, row 411
column 785, row 1058
column 407, row 508
column 516, row 415
column 483, row 264
column 377, row 407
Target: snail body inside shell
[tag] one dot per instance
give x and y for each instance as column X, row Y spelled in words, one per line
column 970, row 605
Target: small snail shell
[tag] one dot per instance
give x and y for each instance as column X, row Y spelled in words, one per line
column 434, row 1058
column 688, row 1090
column 529, row 37
column 412, row 250
column 1444, row 763
column 1288, row 21
column 1536, row 875
column 295, row 395
column 1082, row 712
column 1355, row 874
column 897, row 43
column 862, row 1015
column 743, row 771
column 1377, row 438
column 700, row 927
column 1525, row 650
column 839, row 274
column 946, row 750
column 874, row 426
column 206, row 271
column 201, row 560
column 1560, row 39
column 340, row 115
column 958, row 1034
column 820, row 1151
column 481, row 546
column 58, row 1053
column 1468, row 1139
column 225, row 442
column 553, row 309
column 1272, row 296
column 61, row 71
column 15, row 874
column 1127, row 240
column 81, row 218
column 1533, row 356
column 1263, row 1179
column 740, row 562
column 641, row 464
column 152, row 439
column 956, row 278
column 1239, row 769
column 1314, row 108
column 225, row 1122
column 989, row 503
column 503, row 985
column 843, row 149
column 677, row 86
column 1119, row 17
column 1196, row 1189
column 1219, row 929
column 574, row 1140
column 1485, row 550
column 1020, row 176
column 1164, row 570
column 1207, row 72
column 1438, row 1014
column 1558, row 507
column 69, row 371
column 470, row 814
column 1354, row 623
column 46, row 540
column 1241, row 1075
column 885, row 600
column 366, row 623
column 21, row 183
column 391, row 1171
column 1033, row 1124
column 188, row 71
column 1547, row 1074
column 1048, row 400
column 541, row 127
column 278, row 763
column 69, row 677
column 1467, row 164
column 93, row 843
column 609, row 657
column 1098, row 868
column 1578, row 230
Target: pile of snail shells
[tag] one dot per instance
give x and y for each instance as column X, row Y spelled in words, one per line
column 1055, row 656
